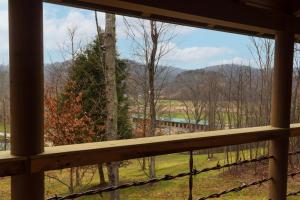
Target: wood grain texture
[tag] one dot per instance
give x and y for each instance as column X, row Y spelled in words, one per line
column 60, row 157
column 11, row 165
column 227, row 16
column 91, row 153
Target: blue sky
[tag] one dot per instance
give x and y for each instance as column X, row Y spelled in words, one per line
column 192, row 47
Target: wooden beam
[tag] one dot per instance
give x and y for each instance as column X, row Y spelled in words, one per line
column 295, row 130
column 224, row 15
column 280, row 112
column 265, row 4
column 91, row 153
column 26, row 92
column 11, row 165
column 86, row 154
column 295, row 6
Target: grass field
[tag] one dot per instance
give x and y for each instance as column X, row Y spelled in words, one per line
column 174, row 115
column 2, row 127
column 204, row 184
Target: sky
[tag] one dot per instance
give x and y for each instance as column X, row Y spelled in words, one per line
column 191, row 48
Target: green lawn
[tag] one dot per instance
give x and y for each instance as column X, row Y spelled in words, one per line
column 204, row 184
column 167, row 102
column 180, row 115
column 2, row 127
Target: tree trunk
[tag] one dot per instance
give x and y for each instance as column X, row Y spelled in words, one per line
column 77, row 177
column 151, row 75
column 295, row 97
column 71, row 188
column 101, row 175
column 113, row 175
column 4, row 125
column 111, row 95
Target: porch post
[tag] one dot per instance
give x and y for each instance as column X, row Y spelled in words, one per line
column 26, row 92
column 280, row 111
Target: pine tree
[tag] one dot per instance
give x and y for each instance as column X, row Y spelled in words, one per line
column 87, row 74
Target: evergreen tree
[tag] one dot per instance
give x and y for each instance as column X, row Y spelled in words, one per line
column 87, row 73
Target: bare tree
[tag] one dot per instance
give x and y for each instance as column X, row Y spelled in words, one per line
column 57, row 73
column 4, row 124
column 4, row 96
column 111, row 95
column 151, row 43
column 193, row 89
column 262, row 51
column 295, row 106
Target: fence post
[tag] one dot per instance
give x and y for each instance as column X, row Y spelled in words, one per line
column 280, row 111
column 26, row 92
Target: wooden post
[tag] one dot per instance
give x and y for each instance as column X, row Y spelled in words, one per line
column 280, row 112
column 26, row 92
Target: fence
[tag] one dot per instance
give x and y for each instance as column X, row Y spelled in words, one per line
column 60, row 157
column 178, row 123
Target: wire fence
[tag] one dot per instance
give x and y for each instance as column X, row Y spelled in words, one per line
column 294, row 153
column 293, row 194
column 191, row 173
column 292, row 175
column 236, row 189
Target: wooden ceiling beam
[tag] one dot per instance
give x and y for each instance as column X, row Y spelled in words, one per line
column 274, row 5
column 296, row 7
column 223, row 15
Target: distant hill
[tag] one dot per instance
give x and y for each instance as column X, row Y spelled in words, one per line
column 138, row 69
column 232, row 68
column 202, row 76
column 225, row 69
column 173, row 76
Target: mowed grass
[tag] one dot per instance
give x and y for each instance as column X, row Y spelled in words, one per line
column 204, row 184
column 180, row 115
column 2, row 127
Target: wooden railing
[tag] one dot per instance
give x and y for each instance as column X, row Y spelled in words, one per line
column 60, row 157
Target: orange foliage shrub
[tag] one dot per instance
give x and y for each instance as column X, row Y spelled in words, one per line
column 64, row 121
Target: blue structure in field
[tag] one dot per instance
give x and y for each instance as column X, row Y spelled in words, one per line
column 176, row 122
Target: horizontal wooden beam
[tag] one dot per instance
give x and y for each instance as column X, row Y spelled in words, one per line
column 295, row 6
column 295, row 130
column 92, row 153
column 223, row 15
column 11, row 165
column 60, row 157
column 265, row 4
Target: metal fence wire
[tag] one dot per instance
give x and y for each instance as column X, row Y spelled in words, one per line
column 192, row 172
column 293, row 174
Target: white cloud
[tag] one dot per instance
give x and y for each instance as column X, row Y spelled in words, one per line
column 56, row 25
column 56, row 29
column 191, row 56
column 234, row 60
